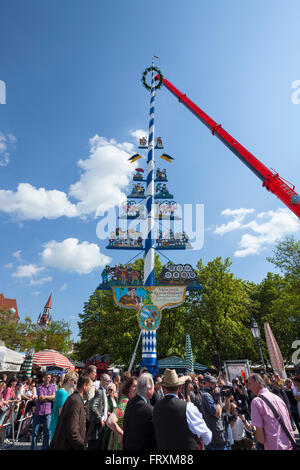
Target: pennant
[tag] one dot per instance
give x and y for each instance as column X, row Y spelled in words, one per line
column 134, row 158
column 166, row 157
column 243, row 375
column 274, row 352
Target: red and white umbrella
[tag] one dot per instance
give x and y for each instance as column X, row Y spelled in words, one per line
column 49, row 357
column 274, row 352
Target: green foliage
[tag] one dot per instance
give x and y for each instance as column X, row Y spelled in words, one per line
column 217, row 317
column 286, row 257
column 27, row 334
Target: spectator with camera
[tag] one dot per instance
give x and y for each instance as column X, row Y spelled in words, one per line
column 190, row 395
column 239, row 425
column 241, row 397
column 215, row 407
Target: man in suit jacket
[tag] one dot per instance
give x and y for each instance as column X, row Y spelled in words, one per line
column 98, row 409
column 70, row 430
column 138, row 427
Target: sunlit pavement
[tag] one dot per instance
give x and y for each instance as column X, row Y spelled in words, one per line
column 25, row 445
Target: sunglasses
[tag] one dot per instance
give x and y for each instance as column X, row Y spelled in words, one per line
column 110, row 389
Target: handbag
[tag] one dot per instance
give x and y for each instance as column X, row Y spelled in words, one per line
column 282, row 424
column 111, row 421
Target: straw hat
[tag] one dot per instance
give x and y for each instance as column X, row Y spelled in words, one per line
column 171, row 379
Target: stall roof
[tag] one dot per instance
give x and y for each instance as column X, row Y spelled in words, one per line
column 10, row 361
column 178, row 363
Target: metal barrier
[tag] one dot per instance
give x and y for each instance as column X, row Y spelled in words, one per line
column 20, row 424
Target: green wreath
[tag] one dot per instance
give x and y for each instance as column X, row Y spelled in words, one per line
column 147, row 70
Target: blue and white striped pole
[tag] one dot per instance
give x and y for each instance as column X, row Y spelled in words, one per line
column 149, row 337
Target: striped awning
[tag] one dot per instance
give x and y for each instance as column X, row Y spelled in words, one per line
column 189, row 354
column 49, row 357
column 26, row 367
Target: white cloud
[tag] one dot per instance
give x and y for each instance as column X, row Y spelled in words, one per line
column 238, row 216
column 138, row 134
column 29, row 203
column 106, row 172
column 40, row 281
column 277, row 225
column 265, row 229
column 63, row 287
column 8, row 265
column 70, row 255
column 17, row 254
column 27, row 270
column 7, row 143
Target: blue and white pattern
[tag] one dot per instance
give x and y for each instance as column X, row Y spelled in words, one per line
column 149, row 337
column 149, row 241
column 149, row 347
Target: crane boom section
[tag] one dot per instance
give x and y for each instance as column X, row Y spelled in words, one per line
column 270, row 179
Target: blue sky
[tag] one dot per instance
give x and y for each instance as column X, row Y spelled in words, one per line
column 72, row 72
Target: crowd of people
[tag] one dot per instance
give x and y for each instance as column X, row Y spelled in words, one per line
column 169, row 412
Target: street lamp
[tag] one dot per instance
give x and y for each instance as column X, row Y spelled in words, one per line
column 255, row 330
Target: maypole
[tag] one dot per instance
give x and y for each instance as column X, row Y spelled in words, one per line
column 149, row 359
column 149, row 296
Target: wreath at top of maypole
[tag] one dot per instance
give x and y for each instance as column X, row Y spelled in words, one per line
column 147, row 70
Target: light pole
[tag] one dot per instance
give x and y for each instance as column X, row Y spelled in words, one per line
column 255, row 330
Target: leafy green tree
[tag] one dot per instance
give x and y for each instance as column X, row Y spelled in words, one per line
column 220, row 318
column 277, row 302
column 27, row 334
column 286, row 257
column 107, row 329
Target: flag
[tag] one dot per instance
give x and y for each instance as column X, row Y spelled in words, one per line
column 134, row 158
column 166, row 157
column 274, row 352
column 243, row 375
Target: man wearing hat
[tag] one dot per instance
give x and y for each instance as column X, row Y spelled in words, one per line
column 212, row 413
column 178, row 424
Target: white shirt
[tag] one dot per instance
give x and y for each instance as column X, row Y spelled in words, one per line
column 104, row 417
column 238, row 430
column 196, row 423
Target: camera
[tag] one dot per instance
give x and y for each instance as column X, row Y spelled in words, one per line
column 226, row 391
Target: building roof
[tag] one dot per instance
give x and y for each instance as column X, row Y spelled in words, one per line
column 7, row 304
column 178, row 363
column 49, row 302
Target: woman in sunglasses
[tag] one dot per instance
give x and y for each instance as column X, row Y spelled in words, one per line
column 112, row 402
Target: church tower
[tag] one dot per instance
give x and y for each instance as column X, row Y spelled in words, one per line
column 45, row 318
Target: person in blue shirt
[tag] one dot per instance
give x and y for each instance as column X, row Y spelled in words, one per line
column 65, row 387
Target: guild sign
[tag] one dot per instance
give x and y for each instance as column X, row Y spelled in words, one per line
column 149, row 301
